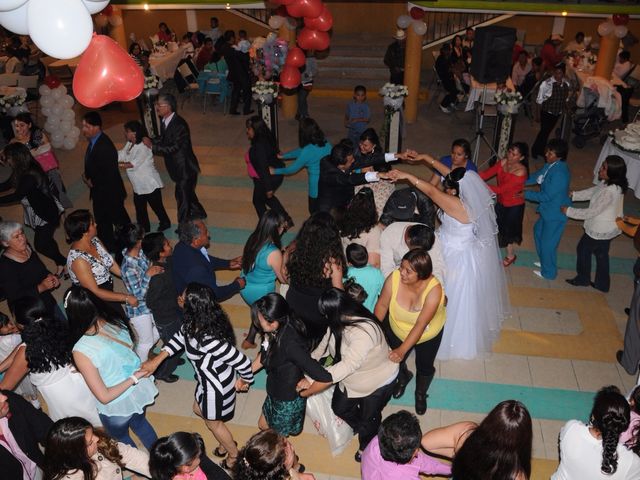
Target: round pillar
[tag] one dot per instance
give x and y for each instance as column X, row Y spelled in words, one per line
column 606, row 56
column 117, row 32
column 289, row 100
column 412, row 62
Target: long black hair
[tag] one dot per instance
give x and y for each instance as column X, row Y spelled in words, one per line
column 360, row 216
column 267, row 230
column 452, row 180
column 169, row 453
column 84, row 309
column 499, row 448
column 204, row 318
column 262, row 458
column 617, row 172
column 309, row 132
column 610, row 416
column 342, row 311
column 261, row 132
column 274, row 308
column 23, row 163
column 46, row 339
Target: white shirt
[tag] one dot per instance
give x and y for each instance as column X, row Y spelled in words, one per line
column 167, row 120
column 581, row 457
column 605, row 205
column 143, row 175
column 546, row 88
column 519, row 72
column 393, row 248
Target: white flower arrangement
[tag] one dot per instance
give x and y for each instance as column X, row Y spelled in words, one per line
column 264, row 92
column 10, row 101
column 151, row 81
column 505, row 97
column 393, row 95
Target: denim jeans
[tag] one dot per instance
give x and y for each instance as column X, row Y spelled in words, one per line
column 118, row 428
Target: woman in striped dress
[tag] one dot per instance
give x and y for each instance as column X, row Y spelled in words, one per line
column 209, row 341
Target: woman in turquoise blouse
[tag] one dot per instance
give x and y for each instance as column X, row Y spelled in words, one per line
column 262, row 263
column 313, row 147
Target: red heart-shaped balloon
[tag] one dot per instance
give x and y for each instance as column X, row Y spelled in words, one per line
column 290, row 77
column 310, row 39
column 322, row 22
column 305, row 8
column 106, row 73
column 295, row 57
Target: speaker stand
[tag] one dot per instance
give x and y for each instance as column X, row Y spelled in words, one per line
column 480, row 136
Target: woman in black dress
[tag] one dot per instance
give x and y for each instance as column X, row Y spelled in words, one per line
column 42, row 209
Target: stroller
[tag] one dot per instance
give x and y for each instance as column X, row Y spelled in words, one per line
column 589, row 120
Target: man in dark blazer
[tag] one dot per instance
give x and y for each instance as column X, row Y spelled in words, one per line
column 102, row 176
column 192, row 263
column 174, row 144
column 22, row 428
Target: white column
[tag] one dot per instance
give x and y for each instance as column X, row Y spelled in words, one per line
column 192, row 21
column 558, row 25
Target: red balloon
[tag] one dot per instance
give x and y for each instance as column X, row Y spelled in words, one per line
column 285, row 2
column 322, row 22
column 620, row 19
column 295, row 57
column 416, row 13
column 305, row 8
column 108, row 10
column 310, row 39
column 290, row 77
column 52, row 81
column 106, row 73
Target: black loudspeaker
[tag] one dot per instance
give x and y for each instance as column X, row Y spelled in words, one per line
column 492, row 53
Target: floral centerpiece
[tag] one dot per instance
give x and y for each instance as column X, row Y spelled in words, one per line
column 151, row 81
column 160, row 47
column 508, row 101
column 264, row 91
column 393, row 96
column 12, row 102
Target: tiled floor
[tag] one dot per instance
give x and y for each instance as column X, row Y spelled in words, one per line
column 556, row 350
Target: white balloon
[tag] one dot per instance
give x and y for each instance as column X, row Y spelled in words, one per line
column 65, row 126
column 50, row 125
column 62, row 88
column 6, row 5
column 57, row 143
column 69, row 115
column 276, row 21
column 67, row 101
column 56, row 94
column 62, row 29
column 70, row 143
column 620, row 31
column 47, row 101
column 95, row 6
column 419, row 27
column 57, row 110
column 404, row 21
column 46, row 111
column 605, row 28
column 44, row 90
column 16, row 20
column 57, row 136
column 75, row 132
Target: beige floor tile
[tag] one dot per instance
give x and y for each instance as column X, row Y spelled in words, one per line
column 552, row 373
column 592, row 376
column 463, row 370
column 249, row 412
column 538, row 450
column 628, row 381
column 550, row 432
column 550, row 320
column 512, row 369
column 175, row 397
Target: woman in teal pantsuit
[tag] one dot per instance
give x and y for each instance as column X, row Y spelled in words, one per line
column 554, row 179
column 262, row 262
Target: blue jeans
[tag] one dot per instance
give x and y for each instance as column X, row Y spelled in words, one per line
column 118, row 428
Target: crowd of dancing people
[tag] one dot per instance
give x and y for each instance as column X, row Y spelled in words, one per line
column 389, row 265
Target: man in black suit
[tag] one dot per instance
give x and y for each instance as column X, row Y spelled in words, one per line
column 239, row 74
column 174, row 144
column 102, row 176
column 22, row 428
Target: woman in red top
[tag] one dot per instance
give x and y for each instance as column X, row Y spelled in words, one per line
column 512, row 172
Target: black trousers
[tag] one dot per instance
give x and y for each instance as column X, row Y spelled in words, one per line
column 303, row 106
column 45, row 244
column 241, row 87
column 313, row 205
column 186, row 199
column 588, row 246
column 166, row 331
column 154, row 199
column 451, row 97
column 547, row 123
column 261, row 201
column 363, row 414
column 625, row 96
column 425, row 351
column 110, row 213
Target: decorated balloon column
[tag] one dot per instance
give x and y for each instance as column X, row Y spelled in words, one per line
column 314, row 35
column 57, row 107
column 612, row 31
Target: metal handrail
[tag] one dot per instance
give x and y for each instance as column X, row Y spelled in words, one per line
column 258, row 15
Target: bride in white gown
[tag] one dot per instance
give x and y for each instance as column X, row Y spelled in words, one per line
column 474, row 282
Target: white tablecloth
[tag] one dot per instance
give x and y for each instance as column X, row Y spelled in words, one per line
column 475, row 93
column 165, row 65
column 631, row 159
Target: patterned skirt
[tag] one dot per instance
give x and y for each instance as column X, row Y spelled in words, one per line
column 285, row 416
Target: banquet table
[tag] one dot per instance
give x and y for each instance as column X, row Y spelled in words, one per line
column 475, row 93
column 165, row 64
column 631, row 159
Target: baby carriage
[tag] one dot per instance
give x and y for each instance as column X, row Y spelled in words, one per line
column 588, row 121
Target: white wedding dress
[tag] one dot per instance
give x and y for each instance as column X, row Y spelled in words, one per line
column 475, row 283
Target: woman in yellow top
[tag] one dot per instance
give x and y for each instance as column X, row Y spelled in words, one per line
column 415, row 302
